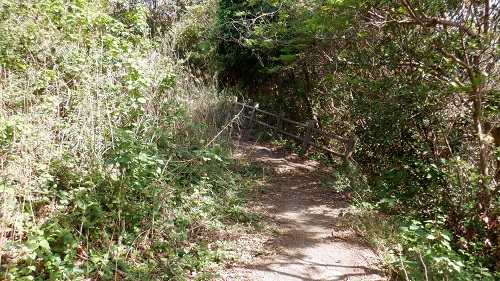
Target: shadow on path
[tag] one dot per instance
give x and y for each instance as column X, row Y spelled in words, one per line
column 308, row 245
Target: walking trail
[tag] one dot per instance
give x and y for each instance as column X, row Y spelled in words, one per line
column 307, row 243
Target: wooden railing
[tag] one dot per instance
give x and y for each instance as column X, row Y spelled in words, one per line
column 349, row 143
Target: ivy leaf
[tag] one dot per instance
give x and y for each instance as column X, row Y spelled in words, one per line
column 44, row 244
column 31, row 246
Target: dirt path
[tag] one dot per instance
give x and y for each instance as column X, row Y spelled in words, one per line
column 307, row 244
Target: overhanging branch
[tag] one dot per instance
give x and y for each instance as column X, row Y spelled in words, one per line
column 428, row 22
column 461, row 25
column 421, row 21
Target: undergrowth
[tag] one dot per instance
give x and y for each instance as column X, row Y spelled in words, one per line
column 112, row 155
column 413, row 248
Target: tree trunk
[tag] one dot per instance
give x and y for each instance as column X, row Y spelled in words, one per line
column 310, row 107
column 484, row 196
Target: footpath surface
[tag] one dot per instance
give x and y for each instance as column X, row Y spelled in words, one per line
column 307, row 243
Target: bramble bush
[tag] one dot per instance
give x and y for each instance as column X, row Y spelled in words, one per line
column 110, row 165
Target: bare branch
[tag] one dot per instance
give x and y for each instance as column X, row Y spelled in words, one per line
column 461, row 25
column 437, row 43
column 435, row 21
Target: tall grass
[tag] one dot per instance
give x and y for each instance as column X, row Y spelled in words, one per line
column 111, row 160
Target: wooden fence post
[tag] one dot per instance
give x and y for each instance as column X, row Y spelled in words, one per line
column 278, row 124
column 252, row 116
column 351, row 144
column 235, row 107
column 307, row 139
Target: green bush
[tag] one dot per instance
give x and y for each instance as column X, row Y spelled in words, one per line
column 112, row 164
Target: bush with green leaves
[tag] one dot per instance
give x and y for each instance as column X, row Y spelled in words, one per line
column 417, row 81
column 427, row 253
column 112, row 164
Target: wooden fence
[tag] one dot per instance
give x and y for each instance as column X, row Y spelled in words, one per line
column 349, row 143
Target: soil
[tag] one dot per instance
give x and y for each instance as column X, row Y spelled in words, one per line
column 305, row 242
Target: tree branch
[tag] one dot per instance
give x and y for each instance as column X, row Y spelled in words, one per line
column 461, row 25
column 432, row 21
column 421, row 22
column 495, row 191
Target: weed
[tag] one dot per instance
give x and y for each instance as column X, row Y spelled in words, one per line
column 113, row 165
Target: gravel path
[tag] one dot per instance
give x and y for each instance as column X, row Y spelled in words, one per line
column 307, row 244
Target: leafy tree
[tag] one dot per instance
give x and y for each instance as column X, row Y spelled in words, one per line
column 463, row 38
column 416, row 80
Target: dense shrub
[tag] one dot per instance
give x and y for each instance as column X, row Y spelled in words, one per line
column 110, row 166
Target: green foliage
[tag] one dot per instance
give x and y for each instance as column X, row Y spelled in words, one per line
column 272, row 50
column 427, row 254
column 419, row 250
column 110, row 163
column 236, row 61
column 415, row 81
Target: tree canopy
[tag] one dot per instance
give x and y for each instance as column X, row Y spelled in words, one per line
column 416, row 80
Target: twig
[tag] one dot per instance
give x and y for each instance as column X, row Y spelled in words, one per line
column 403, row 266
column 425, row 267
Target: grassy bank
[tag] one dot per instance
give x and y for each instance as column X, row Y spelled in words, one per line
column 110, row 167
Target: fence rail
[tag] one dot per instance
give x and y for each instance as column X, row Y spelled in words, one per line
column 350, row 143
